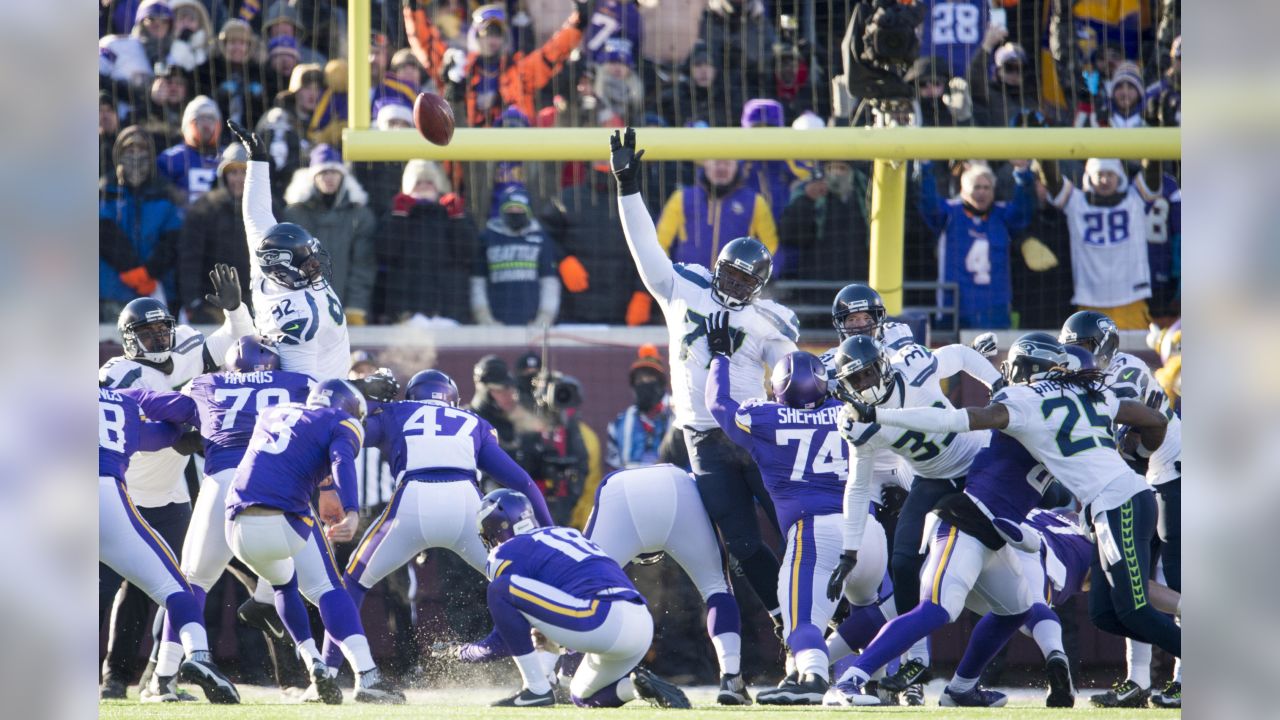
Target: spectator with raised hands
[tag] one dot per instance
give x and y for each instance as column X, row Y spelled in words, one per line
column 975, row 237
column 739, row 38
column 492, row 77
column 999, row 81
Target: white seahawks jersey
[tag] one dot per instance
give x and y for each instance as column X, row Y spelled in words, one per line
column 1108, row 248
column 930, row 455
column 155, row 478
column 309, row 324
column 1131, row 379
column 1071, row 436
column 762, row 333
column 890, row 467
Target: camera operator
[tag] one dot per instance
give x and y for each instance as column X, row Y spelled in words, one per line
column 565, row 453
column 880, row 43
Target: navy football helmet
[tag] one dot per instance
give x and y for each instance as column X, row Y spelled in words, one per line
column 503, row 515
column 1032, row 357
column 251, row 353
column 339, row 394
column 432, row 385
column 1079, row 359
column 291, row 257
column 800, row 381
column 147, row 330
column 863, row 371
column 1093, row 331
column 855, row 298
column 742, row 268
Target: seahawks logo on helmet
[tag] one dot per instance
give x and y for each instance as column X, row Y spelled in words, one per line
column 276, row 256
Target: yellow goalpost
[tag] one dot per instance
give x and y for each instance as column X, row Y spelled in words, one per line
column 889, row 148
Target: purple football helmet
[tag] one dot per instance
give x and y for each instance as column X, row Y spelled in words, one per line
column 432, row 385
column 337, row 393
column 503, row 515
column 251, row 353
column 1080, row 359
column 800, row 381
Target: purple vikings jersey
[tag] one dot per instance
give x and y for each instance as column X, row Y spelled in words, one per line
column 123, row 429
column 229, row 404
column 433, row 442
column 620, row 23
column 564, row 559
column 801, row 456
column 1005, row 480
column 1066, row 553
column 293, row 449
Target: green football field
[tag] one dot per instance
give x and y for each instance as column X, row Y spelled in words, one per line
column 264, row 703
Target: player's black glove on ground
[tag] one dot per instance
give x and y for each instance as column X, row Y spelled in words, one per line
column 226, row 287
column 719, row 340
column 625, row 161
column 252, row 143
column 835, row 586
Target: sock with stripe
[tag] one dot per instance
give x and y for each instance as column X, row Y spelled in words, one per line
column 899, row 634
column 989, row 636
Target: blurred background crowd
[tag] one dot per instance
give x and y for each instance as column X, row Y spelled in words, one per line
column 439, row 241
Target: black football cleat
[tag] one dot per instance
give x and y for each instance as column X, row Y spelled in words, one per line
column 657, row 691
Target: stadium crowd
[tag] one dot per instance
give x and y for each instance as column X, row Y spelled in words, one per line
column 522, row 243
column 403, row 236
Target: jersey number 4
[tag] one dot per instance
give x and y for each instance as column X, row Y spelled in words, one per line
column 1071, row 405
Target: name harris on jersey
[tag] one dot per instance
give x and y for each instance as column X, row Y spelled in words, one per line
column 255, row 376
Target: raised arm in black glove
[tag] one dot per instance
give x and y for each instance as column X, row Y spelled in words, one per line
column 226, row 287
column 252, row 143
column 835, row 586
column 719, row 340
column 625, row 161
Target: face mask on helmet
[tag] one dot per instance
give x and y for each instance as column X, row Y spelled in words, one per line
column 856, row 322
column 150, row 340
column 734, row 287
column 870, row 383
column 1028, row 363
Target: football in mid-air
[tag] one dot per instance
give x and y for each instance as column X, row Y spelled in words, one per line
column 434, row 118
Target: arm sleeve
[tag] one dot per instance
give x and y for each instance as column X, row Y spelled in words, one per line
column 157, row 435
column 723, row 407
column 956, row 358
column 1024, row 201
column 342, row 462
column 932, row 208
column 165, row 406
column 926, row 419
column 642, row 240
column 857, row 496
column 539, row 66
column 258, row 218
column 762, row 226
column 493, row 460
column 237, row 324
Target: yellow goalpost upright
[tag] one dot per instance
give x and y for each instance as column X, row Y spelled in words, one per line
column 889, row 148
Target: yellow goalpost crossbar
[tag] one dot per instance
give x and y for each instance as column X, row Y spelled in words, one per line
column 887, row 147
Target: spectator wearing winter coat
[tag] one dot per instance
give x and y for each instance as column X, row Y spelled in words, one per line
column 1124, row 105
column 213, row 232
column 618, row 89
column 108, row 129
column 191, row 164
column 193, row 33
column 975, row 237
column 584, row 222
column 383, row 180
column 701, row 95
column 160, row 110
column 825, row 228
column 635, row 435
column 513, row 279
column 492, row 77
column 701, row 218
column 282, row 20
column 233, row 77
column 153, row 29
column 1164, row 97
column 138, row 226
column 330, row 203
column 999, row 80
column 615, row 26
column 424, row 253
column 739, row 38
